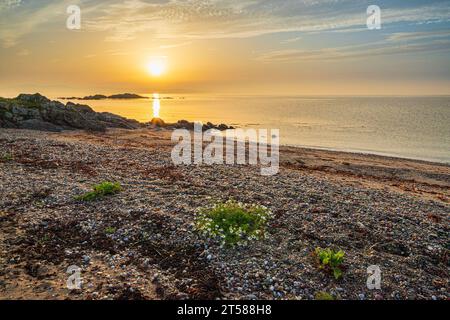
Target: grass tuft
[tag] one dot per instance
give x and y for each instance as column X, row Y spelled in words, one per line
column 7, row 157
column 321, row 295
column 110, row 230
column 101, row 190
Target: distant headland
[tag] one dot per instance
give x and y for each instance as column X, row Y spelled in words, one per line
column 103, row 97
column 120, row 96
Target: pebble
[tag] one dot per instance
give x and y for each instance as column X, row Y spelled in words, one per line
column 86, row 259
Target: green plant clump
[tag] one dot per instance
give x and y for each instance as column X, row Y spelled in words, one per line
column 233, row 223
column 101, row 190
column 110, row 230
column 7, row 157
column 331, row 260
column 321, row 295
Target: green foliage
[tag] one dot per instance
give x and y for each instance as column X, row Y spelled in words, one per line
column 7, row 157
column 331, row 260
column 110, row 230
column 233, row 223
column 101, row 190
column 45, row 238
column 321, row 295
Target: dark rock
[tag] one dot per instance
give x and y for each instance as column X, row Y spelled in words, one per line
column 208, row 126
column 184, row 124
column 35, row 98
column 35, row 124
column 158, row 122
column 394, row 247
column 80, row 107
column 36, row 112
column 115, row 121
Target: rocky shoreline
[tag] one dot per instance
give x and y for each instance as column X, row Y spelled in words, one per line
column 141, row 242
column 36, row 112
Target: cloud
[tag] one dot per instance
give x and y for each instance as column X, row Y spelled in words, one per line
column 23, row 53
column 292, row 40
column 185, row 20
column 402, row 36
column 175, row 45
column 209, row 19
column 33, row 15
column 9, row 4
column 27, row 21
column 356, row 51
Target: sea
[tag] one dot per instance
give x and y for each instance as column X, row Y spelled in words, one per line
column 406, row 127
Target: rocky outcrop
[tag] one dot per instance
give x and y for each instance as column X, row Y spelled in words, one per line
column 36, row 112
column 184, row 124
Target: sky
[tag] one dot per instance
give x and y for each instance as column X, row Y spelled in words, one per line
column 254, row 47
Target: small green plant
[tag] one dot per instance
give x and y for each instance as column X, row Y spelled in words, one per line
column 40, row 203
column 101, row 190
column 110, row 230
column 45, row 238
column 321, row 295
column 233, row 223
column 6, row 157
column 331, row 260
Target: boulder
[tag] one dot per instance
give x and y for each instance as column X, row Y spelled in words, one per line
column 158, row 122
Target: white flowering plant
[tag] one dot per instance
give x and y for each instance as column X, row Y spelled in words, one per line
column 233, row 223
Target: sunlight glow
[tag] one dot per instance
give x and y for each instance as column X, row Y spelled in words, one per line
column 157, row 66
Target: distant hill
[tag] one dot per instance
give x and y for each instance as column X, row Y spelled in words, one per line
column 102, row 97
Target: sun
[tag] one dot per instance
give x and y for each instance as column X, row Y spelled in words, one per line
column 157, row 66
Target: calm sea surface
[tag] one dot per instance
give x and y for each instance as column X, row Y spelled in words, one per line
column 411, row 127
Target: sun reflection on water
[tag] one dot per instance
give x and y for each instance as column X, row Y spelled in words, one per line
column 156, row 105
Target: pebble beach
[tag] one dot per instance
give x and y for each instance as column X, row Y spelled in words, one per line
column 142, row 244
